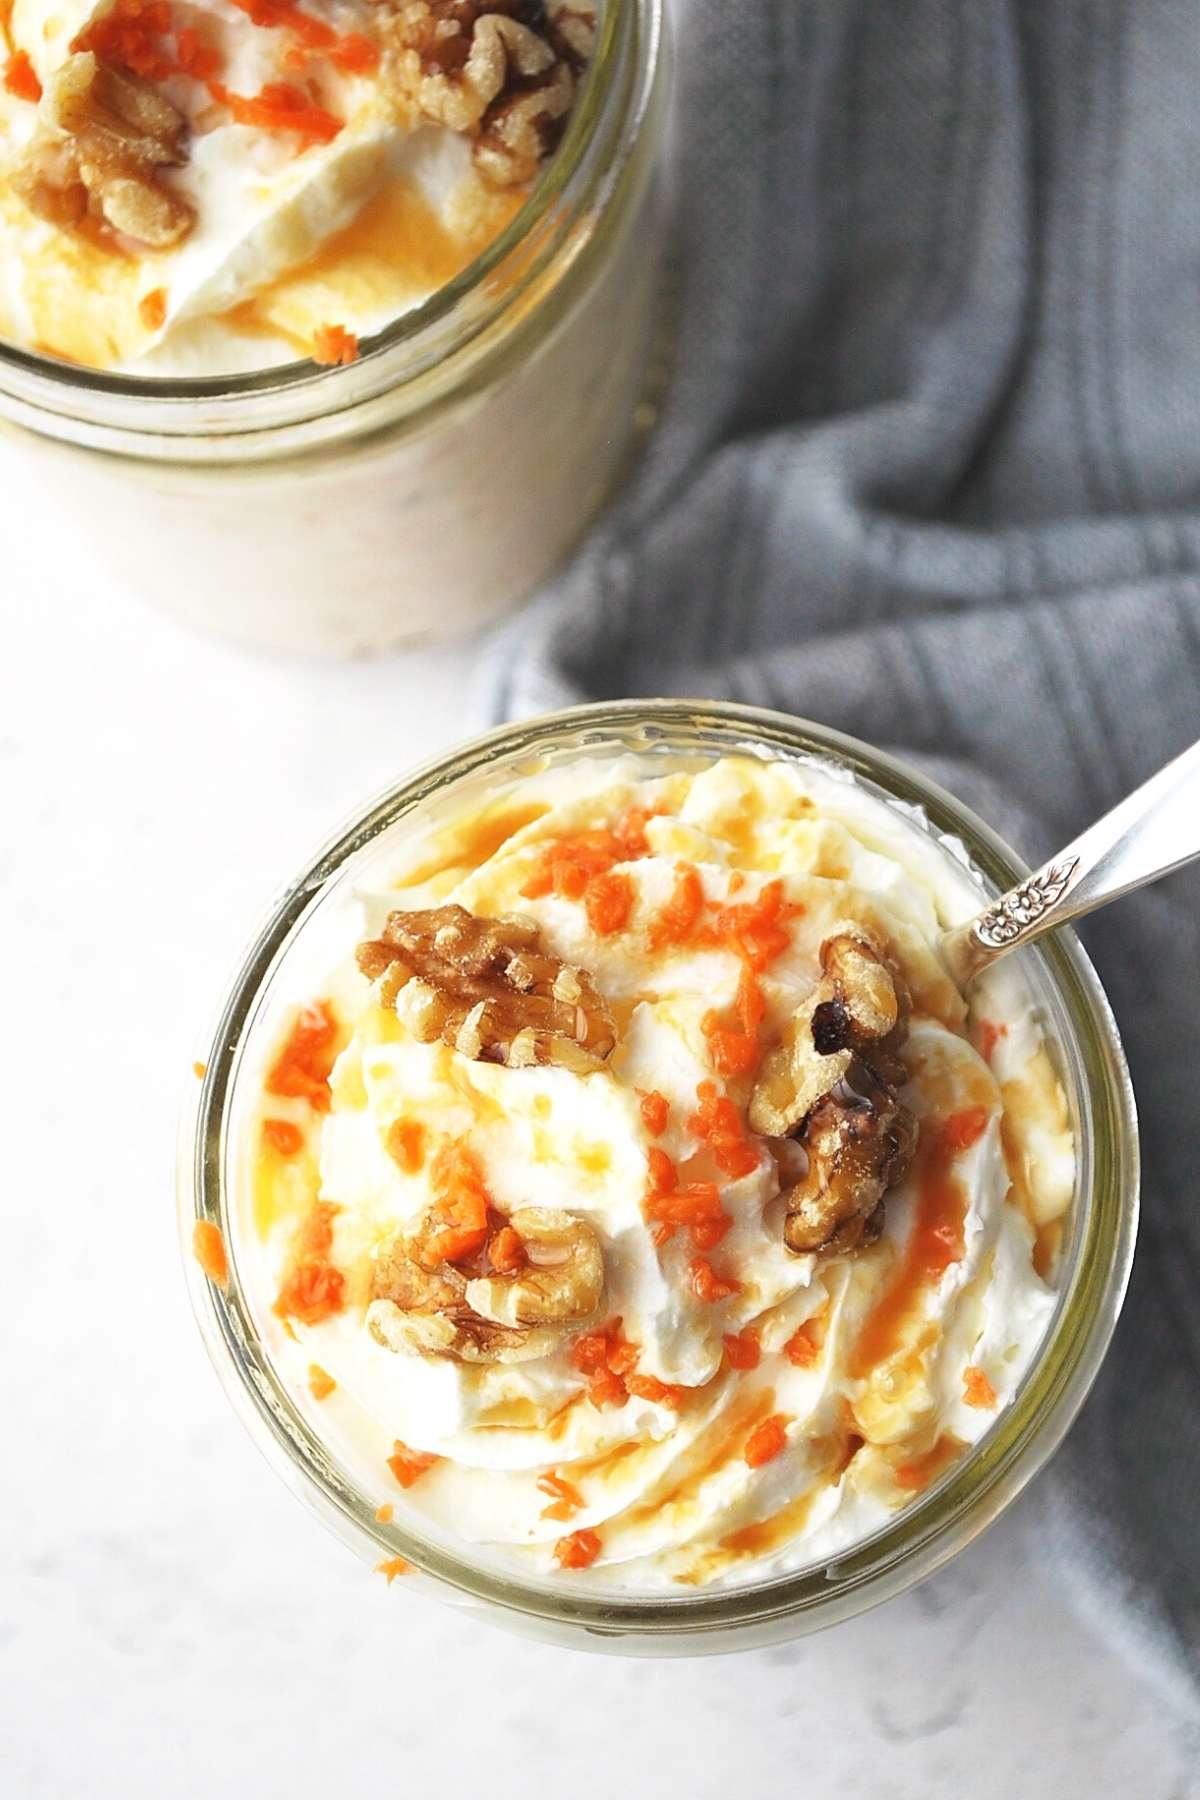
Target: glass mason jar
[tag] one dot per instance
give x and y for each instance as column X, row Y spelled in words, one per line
column 1097, row 1245
column 426, row 486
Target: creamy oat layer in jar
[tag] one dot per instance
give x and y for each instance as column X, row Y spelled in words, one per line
column 343, row 307
column 637, row 1203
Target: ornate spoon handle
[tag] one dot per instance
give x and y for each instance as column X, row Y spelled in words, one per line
column 1155, row 830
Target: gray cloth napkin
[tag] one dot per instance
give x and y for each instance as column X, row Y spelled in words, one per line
column 929, row 471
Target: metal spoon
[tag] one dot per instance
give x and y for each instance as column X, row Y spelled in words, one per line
column 1155, row 831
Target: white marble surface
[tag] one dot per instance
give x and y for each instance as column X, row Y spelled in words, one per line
column 172, row 1623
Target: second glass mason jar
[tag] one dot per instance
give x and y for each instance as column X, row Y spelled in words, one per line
column 420, row 490
column 302, row 940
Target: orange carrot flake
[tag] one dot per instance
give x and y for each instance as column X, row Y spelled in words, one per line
column 506, row 1251
column 630, row 832
column 608, row 902
column 208, row 1248
column 804, row 1345
column 283, row 1136
column 320, row 1382
column 578, row 1551
column 742, row 1348
column 607, row 1359
column 707, row 1284
column 385, row 1513
column 678, row 917
column 20, row 77
column 129, row 35
column 565, row 1496
column 766, row 1441
column 391, row 1566
column 333, row 344
column 462, row 1204
column 302, row 1068
column 989, row 1036
column 733, row 1048
column 695, row 1205
column 194, row 57
column 408, row 1465
column 962, row 1129
column 977, row 1389
column 655, row 1111
column 757, row 930
column 152, row 309
column 279, row 106
column 405, row 1144
column 312, row 1289
column 659, row 1393
column 718, row 1123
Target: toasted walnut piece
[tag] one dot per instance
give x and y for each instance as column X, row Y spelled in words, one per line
column 105, row 137
column 562, row 1281
column 860, row 1006
column 420, row 1310
column 486, row 987
column 859, row 1141
column 503, row 71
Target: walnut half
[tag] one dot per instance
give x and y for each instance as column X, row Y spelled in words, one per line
column 501, row 71
column 828, row 1091
column 104, row 139
column 859, row 1142
column 434, row 1309
column 486, row 987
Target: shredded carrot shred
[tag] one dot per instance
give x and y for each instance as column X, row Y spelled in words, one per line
column 566, row 1497
column 962, row 1129
column 405, row 1144
column 506, row 1251
column 578, row 1551
column 280, row 106
column 608, row 902
column 208, row 1248
column 757, row 930
column 766, row 1441
column 804, row 1345
column 152, row 309
column 129, row 35
column 718, row 1123
column 734, row 1047
column 595, row 1354
column 742, row 1348
column 989, row 1036
column 312, row 1289
column 462, row 1203
column 695, row 1205
column 385, row 1513
column 333, row 344
column 391, row 1566
column 283, row 1136
column 302, row 1068
column 320, row 1382
column 977, row 1389
column 194, row 57
column 678, row 917
column 408, row 1465
column 655, row 1111
column 707, row 1284
column 20, row 77
column 630, row 832
column 659, row 1393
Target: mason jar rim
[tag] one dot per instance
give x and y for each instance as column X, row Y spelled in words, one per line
column 617, row 94
column 955, row 1508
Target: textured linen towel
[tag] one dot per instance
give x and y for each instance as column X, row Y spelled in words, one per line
column 930, row 472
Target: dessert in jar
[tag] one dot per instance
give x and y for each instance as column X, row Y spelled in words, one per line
column 624, row 1195
column 343, row 307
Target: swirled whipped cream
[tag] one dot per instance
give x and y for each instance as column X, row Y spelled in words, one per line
column 645, row 1206
column 196, row 187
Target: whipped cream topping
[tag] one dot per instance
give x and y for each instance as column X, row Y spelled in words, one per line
column 801, row 1410
column 373, row 202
